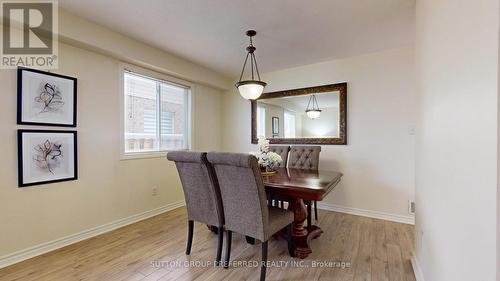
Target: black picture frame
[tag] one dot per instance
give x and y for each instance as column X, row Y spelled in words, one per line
column 21, row 154
column 20, row 121
column 275, row 126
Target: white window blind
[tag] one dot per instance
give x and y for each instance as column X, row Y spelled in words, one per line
column 156, row 114
column 167, row 123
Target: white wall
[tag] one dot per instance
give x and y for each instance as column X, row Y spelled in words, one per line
column 324, row 125
column 456, row 176
column 378, row 162
column 107, row 189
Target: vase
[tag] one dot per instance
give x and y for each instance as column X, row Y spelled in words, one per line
column 267, row 170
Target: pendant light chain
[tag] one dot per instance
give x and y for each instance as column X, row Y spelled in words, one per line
column 251, row 53
column 256, row 67
column 316, row 101
column 253, row 61
column 309, row 103
column 244, row 64
column 315, row 105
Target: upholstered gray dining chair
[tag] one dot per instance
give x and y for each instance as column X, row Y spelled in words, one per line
column 244, row 200
column 201, row 192
column 281, row 150
column 306, row 157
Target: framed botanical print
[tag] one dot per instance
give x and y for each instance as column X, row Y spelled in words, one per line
column 46, row 156
column 275, row 126
column 45, row 98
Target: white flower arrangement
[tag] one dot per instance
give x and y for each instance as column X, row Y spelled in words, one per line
column 267, row 159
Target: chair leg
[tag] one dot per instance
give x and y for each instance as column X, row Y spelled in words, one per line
column 264, row 261
column 289, row 240
column 228, row 248
column 316, row 210
column 219, row 245
column 309, row 215
column 190, row 236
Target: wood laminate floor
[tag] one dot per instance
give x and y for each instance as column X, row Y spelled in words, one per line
column 153, row 249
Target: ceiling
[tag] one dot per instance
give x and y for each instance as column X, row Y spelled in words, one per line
column 290, row 32
column 299, row 103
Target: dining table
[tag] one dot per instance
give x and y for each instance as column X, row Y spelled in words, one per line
column 298, row 186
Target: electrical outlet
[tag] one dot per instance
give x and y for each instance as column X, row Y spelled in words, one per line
column 411, row 207
column 154, row 191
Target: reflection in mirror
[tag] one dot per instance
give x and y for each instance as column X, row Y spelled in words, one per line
column 312, row 115
column 305, row 116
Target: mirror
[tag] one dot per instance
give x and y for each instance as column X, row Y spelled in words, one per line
column 314, row 115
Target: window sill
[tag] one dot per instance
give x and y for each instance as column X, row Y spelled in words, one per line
column 146, row 155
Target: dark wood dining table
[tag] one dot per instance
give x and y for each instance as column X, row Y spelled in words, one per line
column 298, row 186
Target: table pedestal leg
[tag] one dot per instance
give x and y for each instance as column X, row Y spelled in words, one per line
column 302, row 235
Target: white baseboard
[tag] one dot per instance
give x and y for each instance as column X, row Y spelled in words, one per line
column 366, row 213
column 419, row 276
column 77, row 237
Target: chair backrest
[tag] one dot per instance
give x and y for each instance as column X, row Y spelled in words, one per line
column 282, row 150
column 304, row 157
column 243, row 194
column 201, row 189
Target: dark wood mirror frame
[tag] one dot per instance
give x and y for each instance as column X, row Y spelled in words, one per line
column 340, row 87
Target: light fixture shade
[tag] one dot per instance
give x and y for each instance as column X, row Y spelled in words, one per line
column 313, row 114
column 250, row 89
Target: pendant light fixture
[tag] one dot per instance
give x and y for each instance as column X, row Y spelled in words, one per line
column 250, row 89
column 314, row 111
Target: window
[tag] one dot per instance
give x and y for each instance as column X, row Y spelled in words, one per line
column 156, row 115
column 289, row 125
column 261, row 121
